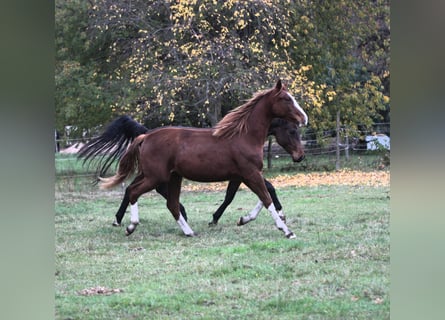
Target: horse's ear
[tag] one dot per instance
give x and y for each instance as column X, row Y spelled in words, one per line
column 278, row 86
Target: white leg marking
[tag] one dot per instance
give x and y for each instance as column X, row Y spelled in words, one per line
column 299, row 108
column 280, row 223
column 134, row 219
column 281, row 215
column 254, row 213
column 134, row 213
column 184, row 226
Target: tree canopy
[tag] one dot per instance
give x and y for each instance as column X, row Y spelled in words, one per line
column 189, row 62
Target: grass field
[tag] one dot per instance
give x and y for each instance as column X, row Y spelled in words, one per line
column 337, row 268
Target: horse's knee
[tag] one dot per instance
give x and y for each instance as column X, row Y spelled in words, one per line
column 267, row 201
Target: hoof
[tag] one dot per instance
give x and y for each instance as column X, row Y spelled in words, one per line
column 291, row 235
column 191, row 235
column 130, row 229
column 240, row 222
column 116, row 224
column 213, row 223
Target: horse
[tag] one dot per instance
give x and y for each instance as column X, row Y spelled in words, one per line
column 288, row 137
column 232, row 150
column 114, row 140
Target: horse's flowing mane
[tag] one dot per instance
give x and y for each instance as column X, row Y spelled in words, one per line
column 235, row 122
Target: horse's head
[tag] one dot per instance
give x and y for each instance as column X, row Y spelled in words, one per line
column 287, row 135
column 285, row 106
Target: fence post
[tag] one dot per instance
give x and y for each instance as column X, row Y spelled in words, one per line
column 337, row 140
column 56, row 141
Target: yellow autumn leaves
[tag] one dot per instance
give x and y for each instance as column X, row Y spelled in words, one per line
column 313, row 179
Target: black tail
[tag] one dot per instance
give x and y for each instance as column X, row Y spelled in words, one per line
column 111, row 144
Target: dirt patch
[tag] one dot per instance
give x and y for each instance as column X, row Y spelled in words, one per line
column 99, row 291
column 343, row 177
column 72, row 149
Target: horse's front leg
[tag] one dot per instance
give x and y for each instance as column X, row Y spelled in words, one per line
column 252, row 214
column 255, row 211
column 256, row 183
column 162, row 189
column 276, row 202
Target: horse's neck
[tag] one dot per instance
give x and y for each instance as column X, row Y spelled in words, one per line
column 259, row 123
column 274, row 124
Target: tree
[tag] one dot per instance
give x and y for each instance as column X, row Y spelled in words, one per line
column 80, row 98
column 190, row 62
column 331, row 37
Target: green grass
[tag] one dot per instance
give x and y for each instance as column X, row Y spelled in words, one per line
column 365, row 161
column 337, row 268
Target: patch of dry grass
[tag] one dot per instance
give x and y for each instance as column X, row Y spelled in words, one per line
column 342, row 177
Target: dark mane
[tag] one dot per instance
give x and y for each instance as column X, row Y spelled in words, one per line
column 235, row 122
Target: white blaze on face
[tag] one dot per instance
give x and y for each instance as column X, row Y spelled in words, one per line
column 299, row 108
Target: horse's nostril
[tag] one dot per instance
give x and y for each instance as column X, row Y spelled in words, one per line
column 300, row 159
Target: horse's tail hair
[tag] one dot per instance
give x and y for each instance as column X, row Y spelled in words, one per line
column 127, row 165
column 111, row 145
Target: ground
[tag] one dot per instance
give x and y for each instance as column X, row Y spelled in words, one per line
column 343, row 177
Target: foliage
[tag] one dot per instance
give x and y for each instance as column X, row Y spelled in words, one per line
column 338, row 39
column 190, row 62
column 80, row 97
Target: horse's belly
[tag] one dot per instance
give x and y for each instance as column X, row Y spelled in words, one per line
column 210, row 160
column 205, row 170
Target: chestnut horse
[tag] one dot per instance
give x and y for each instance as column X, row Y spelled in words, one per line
column 232, row 150
column 114, row 140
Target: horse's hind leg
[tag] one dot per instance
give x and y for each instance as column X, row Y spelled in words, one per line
column 139, row 186
column 124, row 204
column 174, row 190
column 134, row 219
column 122, row 208
column 232, row 188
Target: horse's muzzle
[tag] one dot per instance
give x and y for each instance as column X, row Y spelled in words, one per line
column 299, row 159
